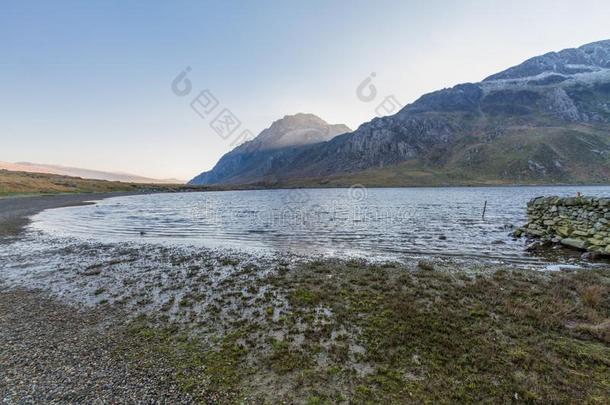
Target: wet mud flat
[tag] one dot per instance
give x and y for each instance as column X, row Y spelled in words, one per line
column 220, row 326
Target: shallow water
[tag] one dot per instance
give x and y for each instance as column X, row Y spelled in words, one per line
column 374, row 223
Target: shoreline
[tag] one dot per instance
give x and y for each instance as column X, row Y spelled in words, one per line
column 16, row 211
column 207, row 326
column 84, row 321
column 247, row 187
column 347, row 187
column 39, row 202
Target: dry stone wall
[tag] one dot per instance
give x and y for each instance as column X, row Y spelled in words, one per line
column 577, row 222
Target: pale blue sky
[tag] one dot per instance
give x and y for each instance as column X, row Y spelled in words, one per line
column 87, row 83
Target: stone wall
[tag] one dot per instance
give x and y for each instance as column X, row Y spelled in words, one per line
column 578, row 222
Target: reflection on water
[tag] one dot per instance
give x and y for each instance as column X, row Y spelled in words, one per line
column 371, row 222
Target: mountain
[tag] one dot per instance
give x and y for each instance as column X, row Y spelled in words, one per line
column 275, row 147
column 84, row 173
column 546, row 120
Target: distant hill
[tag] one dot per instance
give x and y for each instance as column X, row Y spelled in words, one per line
column 24, row 183
column 546, row 120
column 84, row 173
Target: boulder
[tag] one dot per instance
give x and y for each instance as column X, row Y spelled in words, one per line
column 574, row 243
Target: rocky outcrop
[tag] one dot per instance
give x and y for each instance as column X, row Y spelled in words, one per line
column 577, row 222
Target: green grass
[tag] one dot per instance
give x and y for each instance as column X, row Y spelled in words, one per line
column 350, row 332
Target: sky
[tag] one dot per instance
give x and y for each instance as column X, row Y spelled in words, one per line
column 90, row 83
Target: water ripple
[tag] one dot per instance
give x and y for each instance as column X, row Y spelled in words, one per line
column 417, row 221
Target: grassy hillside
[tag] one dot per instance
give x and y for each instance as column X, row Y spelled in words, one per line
column 24, row 183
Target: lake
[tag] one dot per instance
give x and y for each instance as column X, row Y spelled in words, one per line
column 385, row 223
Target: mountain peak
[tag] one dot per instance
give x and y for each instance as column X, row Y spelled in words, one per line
column 276, row 145
column 588, row 58
column 296, row 130
column 302, row 118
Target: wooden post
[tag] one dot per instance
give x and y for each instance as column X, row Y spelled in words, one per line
column 484, row 209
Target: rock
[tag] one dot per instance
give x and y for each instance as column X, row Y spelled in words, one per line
column 570, row 201
column 574, row 243
column 92, row 271
column 603, row 202
column 564, row 231
column 533, row 246
column 596, row 242
column 580, row 233
column 534, row 232
column 517, row 233
column 425, row 265
column 591, row 256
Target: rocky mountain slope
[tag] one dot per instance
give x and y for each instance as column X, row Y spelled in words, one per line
column 544, row 121
column 273, row 148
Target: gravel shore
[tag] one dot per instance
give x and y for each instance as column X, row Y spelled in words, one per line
column 54, row 353
column 51, row 352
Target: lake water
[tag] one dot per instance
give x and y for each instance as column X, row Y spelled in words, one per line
column 375, row 223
